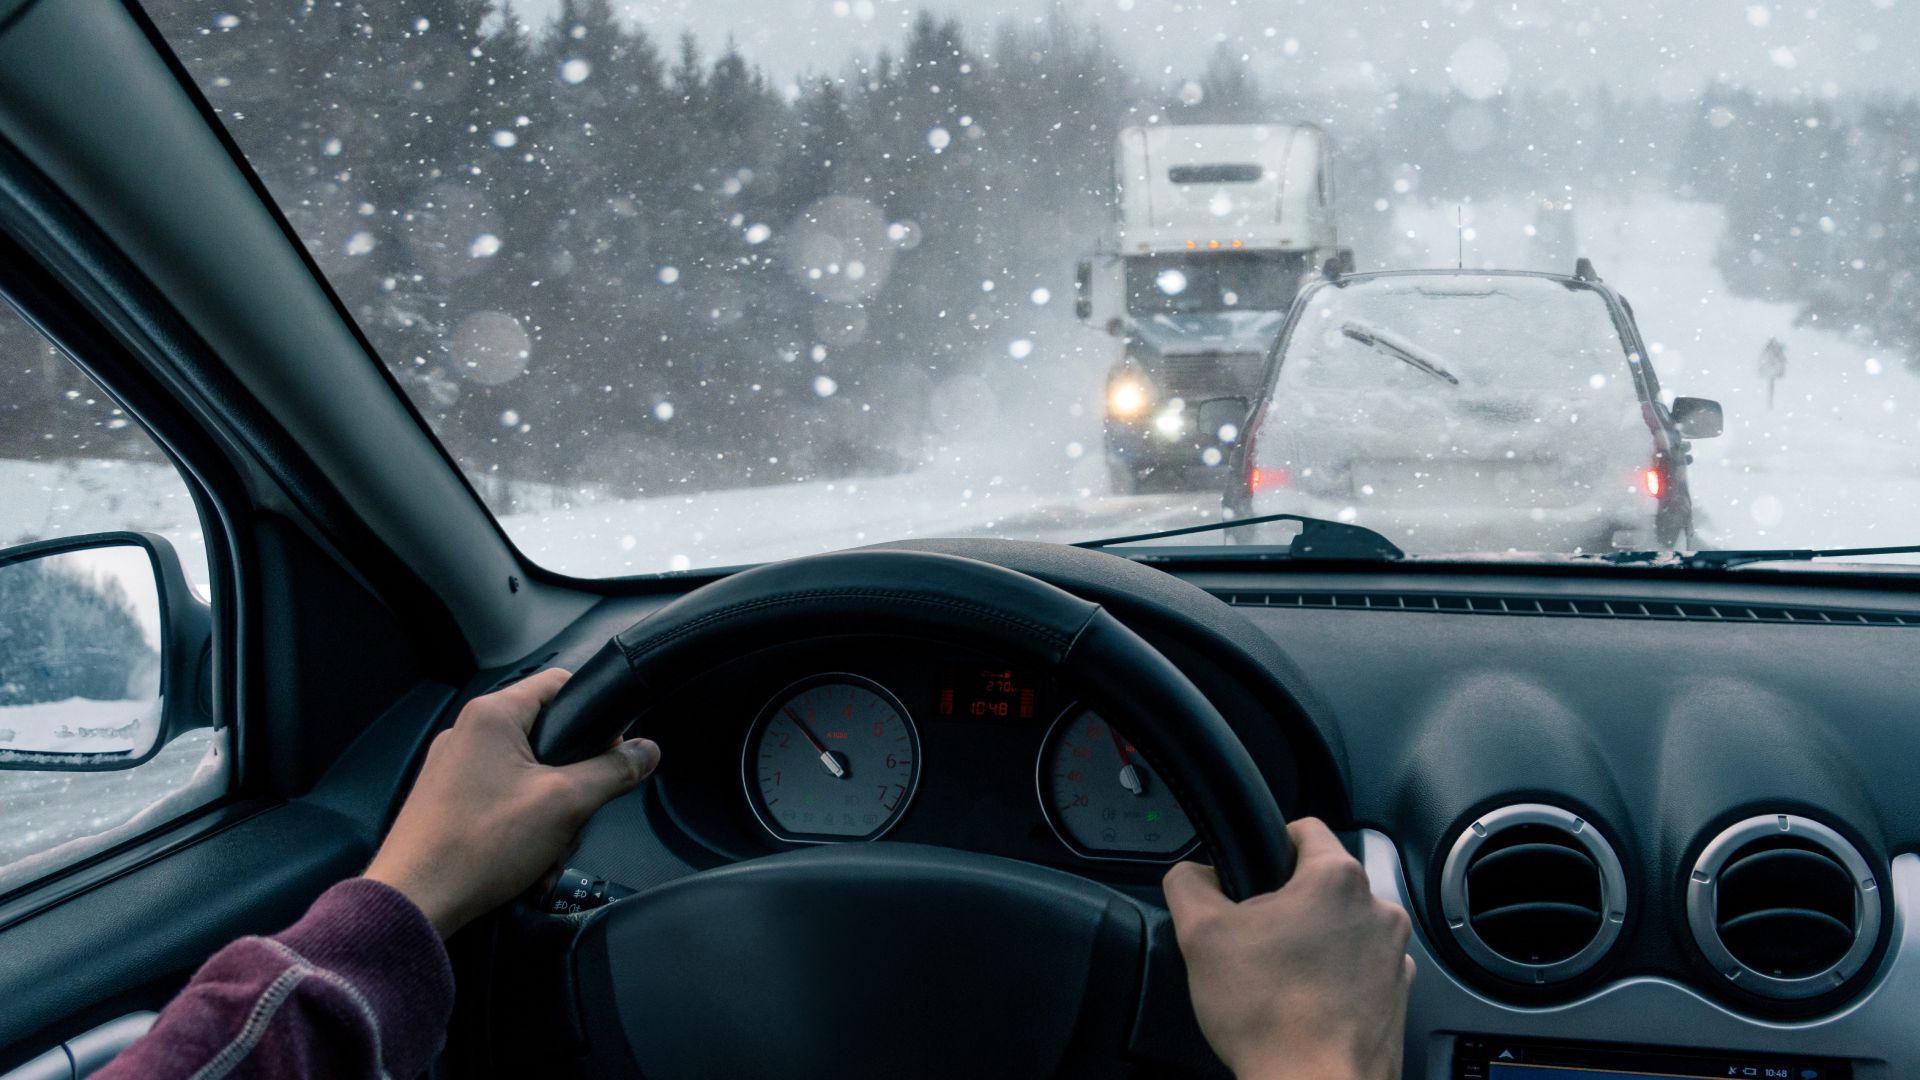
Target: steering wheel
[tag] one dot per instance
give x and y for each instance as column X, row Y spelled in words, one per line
column 894, row 959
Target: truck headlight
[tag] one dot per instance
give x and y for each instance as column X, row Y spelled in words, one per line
column 1127, row 397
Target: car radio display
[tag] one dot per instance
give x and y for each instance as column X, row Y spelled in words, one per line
column 987, row 693
column 1491, row 1058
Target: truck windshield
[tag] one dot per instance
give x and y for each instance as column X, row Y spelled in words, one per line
column 1214, row 281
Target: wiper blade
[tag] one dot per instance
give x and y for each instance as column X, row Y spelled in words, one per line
column 1732, row 557
column 1318, row 539
column 1408, row 353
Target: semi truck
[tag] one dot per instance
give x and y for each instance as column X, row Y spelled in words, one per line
column 1215, row 226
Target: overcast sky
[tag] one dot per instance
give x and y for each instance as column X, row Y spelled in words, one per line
column 1640, row 47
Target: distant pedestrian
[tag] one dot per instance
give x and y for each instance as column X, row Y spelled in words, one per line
column 1773, row 365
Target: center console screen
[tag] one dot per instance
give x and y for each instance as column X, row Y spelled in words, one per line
column 1492, row 1058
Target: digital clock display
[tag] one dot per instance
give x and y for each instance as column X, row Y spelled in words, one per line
column 987, row 693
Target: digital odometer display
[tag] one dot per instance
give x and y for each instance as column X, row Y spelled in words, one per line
column 987, row 693
column 831, row 758
column 1103, row 798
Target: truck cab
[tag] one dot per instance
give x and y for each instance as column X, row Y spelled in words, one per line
column 1215, row 228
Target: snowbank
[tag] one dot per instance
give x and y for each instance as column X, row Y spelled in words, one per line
column 78, row 726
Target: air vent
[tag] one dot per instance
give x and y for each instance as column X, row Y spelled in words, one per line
column 1533, row 893
column 1783, row 906
column 1567, row 607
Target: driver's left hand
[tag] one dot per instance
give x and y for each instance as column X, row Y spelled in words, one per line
column 485, row 820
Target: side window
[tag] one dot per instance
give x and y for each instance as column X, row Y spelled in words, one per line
column 81, row 634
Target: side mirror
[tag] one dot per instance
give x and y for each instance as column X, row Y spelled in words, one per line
column 1697, row 417
column 101, row 650
column 1083, row 290
column 1343, row 257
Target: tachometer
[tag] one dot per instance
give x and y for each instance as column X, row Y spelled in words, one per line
column 833, row 757
column 1102, row 797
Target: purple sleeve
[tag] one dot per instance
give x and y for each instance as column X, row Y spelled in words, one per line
column 360, row 986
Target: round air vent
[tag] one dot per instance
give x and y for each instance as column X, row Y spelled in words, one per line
column 1783, row 906
column 1533, row 893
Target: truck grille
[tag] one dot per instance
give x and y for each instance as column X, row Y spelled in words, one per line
column 1212, row 374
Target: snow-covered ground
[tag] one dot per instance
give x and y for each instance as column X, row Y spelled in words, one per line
column 1835, row 462
column 51, row 819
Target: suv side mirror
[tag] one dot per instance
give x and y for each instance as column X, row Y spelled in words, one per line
column 1083, row 290
column 1697, row 417
column 101, row 652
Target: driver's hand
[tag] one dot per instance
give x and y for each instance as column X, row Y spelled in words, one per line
column 1307, row 983
column 485, row 820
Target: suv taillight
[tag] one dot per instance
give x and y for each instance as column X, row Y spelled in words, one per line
column 1268, row 479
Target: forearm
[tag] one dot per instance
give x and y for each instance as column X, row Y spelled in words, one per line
column 360, row 986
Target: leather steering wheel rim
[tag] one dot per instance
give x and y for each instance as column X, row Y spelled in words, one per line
column 957, row 601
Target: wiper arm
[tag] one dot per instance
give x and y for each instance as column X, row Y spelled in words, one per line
column 1408, row 353
column 1318, row 539
column 1732, row 557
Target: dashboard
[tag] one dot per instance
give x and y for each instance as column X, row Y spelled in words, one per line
column 1643, row 825
column 862, row 739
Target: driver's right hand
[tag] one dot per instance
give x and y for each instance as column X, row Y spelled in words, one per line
column 1307, row 983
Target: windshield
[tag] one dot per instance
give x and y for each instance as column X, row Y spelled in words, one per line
column 1220, row 281
column 1489, row 333
column 695, row 285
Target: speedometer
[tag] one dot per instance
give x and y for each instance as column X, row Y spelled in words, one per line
column 1102, row 797
column 834, row 757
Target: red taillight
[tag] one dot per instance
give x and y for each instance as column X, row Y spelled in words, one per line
column 1268, row 479
column 1653, row 481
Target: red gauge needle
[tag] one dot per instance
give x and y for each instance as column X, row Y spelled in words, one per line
column 827, row 757
column 1129, row 775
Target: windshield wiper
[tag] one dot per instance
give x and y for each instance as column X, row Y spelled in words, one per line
column 1732, row 557
column 1318, row 538
column 1400, row 349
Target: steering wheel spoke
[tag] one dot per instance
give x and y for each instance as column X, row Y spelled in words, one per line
column 863, row 960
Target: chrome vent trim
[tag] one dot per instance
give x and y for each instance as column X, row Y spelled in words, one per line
column 1565, row 607
column 1762, row 835
column 1456, row 901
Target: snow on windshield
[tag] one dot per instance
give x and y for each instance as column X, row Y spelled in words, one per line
column 1496, row 333
column 682, row 286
